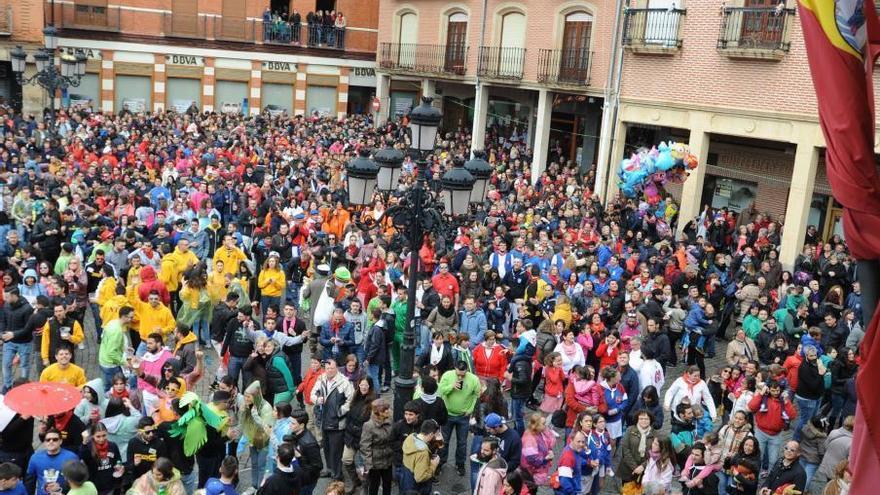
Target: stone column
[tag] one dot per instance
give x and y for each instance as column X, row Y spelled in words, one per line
column 481, row 108
column 692, row 190
column 800, row 196
column 383, row 92
column 542, row 133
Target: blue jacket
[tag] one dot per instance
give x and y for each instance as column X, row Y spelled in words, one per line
column 41, row 463
column 475, row 325
column 696, row 318
column 572, row 466
column 346, row 334
column 600, row 447
column 603, row 254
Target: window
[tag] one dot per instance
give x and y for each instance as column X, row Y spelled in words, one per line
column 513, row 30
column 456, row 42
column 91, row 13
column 184, row 17
column 575, row 57
column 233, row 20
column 407, row 37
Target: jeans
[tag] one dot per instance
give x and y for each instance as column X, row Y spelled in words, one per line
column 476, row 443
column 358, row 351
column 202, row 329
column 373, row 371
column 810, row 469
column 806, row 409
column 516, row 410
column 460, row 424
column 377, row 476
column 24, row 351
column 722, row 482
column 258, row 465
column 96, row 313
column 292, row 294
column 769, row 446
column 189, row 482
column 837, row 402
column 235, row 366
column 141, row 349
column 108, row 374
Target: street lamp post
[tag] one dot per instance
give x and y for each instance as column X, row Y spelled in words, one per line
column 48, row 76
column 418, row 211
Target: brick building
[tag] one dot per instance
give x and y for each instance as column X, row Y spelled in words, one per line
column 537, row 67
column 222, row 55
column 734, row 82
column 21, row 23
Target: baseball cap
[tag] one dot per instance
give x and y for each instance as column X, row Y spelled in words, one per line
column 493, row 420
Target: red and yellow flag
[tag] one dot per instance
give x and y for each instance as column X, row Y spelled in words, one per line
column 842, row 40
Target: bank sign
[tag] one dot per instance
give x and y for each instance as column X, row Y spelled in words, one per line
column 190, row 60
column 362, row 76
column 279, row 66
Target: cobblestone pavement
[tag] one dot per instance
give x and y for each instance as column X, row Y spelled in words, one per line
column 449, row 481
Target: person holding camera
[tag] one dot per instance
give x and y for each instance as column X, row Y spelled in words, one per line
column 773, row 414
column 419, row 464
column 460, row 390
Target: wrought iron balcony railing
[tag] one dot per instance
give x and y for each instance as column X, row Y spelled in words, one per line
column 756, row 28
column 501, row 62
column 653, row 28
column 424, row 59
column 566, row 66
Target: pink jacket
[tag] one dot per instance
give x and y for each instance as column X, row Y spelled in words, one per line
column 153, row 368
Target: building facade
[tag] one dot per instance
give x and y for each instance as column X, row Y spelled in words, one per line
column 21, row 23
column 733, row 81
column 221, row 55
column 536, row 68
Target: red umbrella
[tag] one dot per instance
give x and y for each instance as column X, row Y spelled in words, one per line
column 42, row 398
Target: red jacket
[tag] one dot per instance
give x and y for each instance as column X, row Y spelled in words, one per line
column 770, row 421
column 605, row 358
column 791, row 365
column 492, row 366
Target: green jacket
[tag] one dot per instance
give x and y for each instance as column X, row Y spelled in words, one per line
column 459, row 402
column 399, row 308
column 113, row 344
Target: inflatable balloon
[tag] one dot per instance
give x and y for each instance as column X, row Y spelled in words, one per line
column 646, row 171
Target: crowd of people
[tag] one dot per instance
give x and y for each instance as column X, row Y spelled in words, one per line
column 244, row 314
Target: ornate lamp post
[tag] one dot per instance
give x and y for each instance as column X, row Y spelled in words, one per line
column 48, row 76
column 417, row 212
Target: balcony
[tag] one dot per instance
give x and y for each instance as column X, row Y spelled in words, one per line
column 755, row 32
column 185, row 26
column 424, row 59
column 501, row 62
column 89, row 17
column 653, row 30
column 565, row 67
column 283, row 33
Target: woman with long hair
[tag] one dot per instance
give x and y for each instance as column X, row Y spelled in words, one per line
column 163, row 479
column 280, row 429
column 519, row 482
column 196, row 308
column 121, row 419
column 657, row 472
column 103, row 460
column 358, row 414
column 271, row 282
column 256, row 419
column 537, row 449
column 743, row 470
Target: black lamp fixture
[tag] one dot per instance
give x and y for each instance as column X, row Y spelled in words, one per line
column 48, row 76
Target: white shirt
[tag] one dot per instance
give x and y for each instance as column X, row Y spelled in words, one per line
column 650, row 373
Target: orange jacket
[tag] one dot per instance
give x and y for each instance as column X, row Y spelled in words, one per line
column 335, row 221
column 308, row 384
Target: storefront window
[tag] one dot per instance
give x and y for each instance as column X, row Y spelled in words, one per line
column 732, row 194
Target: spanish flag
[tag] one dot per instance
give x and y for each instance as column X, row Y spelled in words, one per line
column 842, row 40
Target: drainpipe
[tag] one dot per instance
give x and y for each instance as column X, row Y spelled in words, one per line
column 611, row 105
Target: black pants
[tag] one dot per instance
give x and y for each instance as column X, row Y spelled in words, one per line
column 209, row 465
column 696, row 357
column 377, row 476
column 333, row 444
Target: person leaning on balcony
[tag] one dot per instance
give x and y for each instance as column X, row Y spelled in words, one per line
column 340, row 24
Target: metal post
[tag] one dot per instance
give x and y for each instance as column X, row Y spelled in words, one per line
column 404, row 383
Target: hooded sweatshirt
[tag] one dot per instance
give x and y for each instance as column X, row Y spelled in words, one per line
column 417, row 458
column 149, row 283
column 30, row 292
column 257, row 419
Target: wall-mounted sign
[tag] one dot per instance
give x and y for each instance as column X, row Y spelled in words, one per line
column 279, row 66
column 91, row 53
column 190, row 60
column 362, row 76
